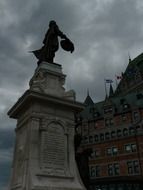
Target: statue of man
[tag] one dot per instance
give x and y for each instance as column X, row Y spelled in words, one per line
column 51, row 44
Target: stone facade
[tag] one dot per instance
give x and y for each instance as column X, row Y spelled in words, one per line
column 44, row 150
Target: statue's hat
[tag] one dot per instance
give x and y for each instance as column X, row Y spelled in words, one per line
column 67, row 45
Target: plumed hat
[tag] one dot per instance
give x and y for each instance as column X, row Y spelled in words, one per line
column 67, row 45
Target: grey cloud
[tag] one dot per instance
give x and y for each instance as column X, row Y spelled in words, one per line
column 103, row 32
column 5, row 176
column 6, row 141
column 6, row 154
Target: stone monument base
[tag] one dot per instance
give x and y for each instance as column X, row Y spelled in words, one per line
column 44, row 157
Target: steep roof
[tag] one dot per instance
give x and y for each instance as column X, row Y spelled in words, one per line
column 111, row 92
column 88, row 101
column 132, row 77
column 132, row 101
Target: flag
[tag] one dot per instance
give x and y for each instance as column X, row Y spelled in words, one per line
column 118, row 77
column 108, row 80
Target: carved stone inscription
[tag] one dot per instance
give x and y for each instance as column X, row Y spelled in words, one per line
column 53, row 147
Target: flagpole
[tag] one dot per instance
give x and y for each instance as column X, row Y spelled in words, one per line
column 116, row 81
column 105, row 87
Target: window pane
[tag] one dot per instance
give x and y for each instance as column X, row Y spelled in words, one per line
column 124, row 117
column 97, row 171
column 128, row 148
column 90, row 139
column 97, row 153
column 92, row 172
column 96, row 138
column 107, row 135
column 113, row 134
column 136, row 166
column 115, row 150
column 116, row 169
column 134, row 147
column 119, row 134
column 111, row 121
column 110, row 170
column 101, row 137
column 132, row 131
column 109, row 151
column 125, row 132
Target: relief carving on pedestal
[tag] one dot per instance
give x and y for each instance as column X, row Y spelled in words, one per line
column 38, row 82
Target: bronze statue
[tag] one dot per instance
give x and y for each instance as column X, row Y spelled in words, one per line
column 51, row 44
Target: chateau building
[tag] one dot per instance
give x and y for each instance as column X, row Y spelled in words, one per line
column 113, row 129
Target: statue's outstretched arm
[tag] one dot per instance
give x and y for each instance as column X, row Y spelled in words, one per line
column 61, row 34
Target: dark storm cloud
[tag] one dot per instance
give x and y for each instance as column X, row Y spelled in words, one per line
column 113, row 31
column 103, row 33
column 6, row 154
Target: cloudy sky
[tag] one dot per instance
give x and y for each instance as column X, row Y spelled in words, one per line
column 103, row 32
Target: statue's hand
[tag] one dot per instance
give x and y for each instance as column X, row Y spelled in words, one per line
column 64, row 37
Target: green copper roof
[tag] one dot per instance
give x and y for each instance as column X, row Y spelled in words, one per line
column 133, row 101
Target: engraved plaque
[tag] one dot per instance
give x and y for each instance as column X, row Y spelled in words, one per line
column 53, row 149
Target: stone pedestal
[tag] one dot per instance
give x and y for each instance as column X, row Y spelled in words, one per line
column 44, row 156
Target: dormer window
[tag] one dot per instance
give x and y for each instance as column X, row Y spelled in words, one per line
column 125, row 106
column 92, row 110
column 96, row 114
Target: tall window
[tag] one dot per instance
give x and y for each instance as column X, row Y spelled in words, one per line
column 95, row 154
column 107, row 136
column 125, row 132
column 109, row 122
column 131, row 147
column 90, row 139
column 113, row 134
column 124, row 117
column 96, row 138
column 112, row 151
column 136, row 116
column 85, row 139
column 132, row 131
column 101, row 136
column 95, row 171
column 113, row 169
column 119, row 133
column 133, row 167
